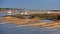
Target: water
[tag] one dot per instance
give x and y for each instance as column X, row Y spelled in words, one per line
column 8, row 29
column 2, row 14
column 49, row 21
column 12, row 29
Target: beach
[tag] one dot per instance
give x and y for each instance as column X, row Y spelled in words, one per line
column 29, row 22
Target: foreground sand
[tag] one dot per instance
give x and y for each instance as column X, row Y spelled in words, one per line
column 15, row 20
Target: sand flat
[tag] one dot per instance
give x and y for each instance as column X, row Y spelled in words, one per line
column 15, row 20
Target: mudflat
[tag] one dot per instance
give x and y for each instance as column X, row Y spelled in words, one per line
column 15, row 20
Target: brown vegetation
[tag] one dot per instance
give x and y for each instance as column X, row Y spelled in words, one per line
column 25, row 21
column 19, row 21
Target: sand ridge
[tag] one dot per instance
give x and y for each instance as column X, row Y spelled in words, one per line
column 25, row 21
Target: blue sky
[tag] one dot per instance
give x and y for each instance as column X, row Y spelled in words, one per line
column 31, row 4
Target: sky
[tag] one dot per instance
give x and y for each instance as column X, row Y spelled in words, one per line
column 31, row 4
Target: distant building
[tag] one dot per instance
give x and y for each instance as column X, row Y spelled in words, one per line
column 16, row 11
column 12, row 12
column 9, row 13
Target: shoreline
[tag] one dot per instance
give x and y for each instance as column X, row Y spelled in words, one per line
column 25, row 21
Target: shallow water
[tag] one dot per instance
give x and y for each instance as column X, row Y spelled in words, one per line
column 8, row 29
column 49, row 21
column 12, row 29
column 2, row 14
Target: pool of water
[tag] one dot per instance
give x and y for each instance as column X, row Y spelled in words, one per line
column 46, row 21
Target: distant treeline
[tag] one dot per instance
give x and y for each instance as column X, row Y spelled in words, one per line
column 1, row 9
column 5, row 8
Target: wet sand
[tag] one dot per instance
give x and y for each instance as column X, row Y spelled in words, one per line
column 25, row 22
